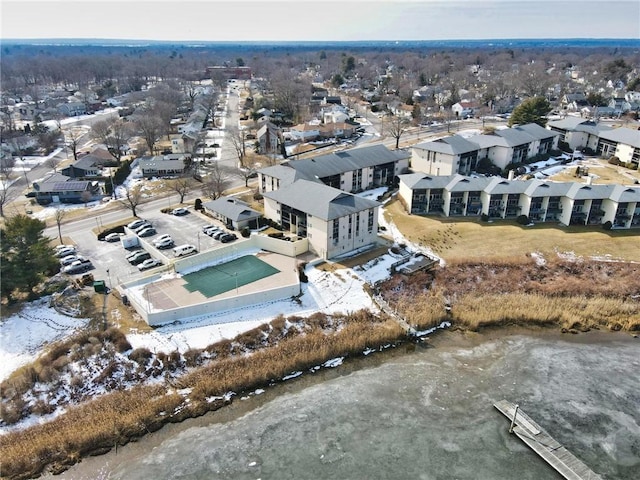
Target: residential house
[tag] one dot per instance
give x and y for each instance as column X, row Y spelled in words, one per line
column 59, row 188
column 90, row 165
column 172, row 165
column 334, row 114
column 619, row 105
column 72, row 109
column 334, row 222
column 234, row 213
column 445, row 156
column 567, row 203
column 456, row 154
column 578, row 132
column 304, row 132
column 573, row 102
column 464, row 109
column 623, row 143
column 351, row 170
column 269, row 138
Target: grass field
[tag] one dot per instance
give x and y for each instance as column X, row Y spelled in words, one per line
column 470, row 238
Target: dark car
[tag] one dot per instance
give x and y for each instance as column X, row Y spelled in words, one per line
column 139, row 258
column 147, row 232
column 228, row 237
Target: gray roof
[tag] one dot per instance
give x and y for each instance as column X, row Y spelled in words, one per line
column 623, row 135
column 285, row 173
column 568, row 123
column 541, row 188
column 453, row 145
column 536, row 131
column 319, row 200
column 500, row 186
column 514, row 136
column 232, row 208
column 460, row 183
column 624, row 193
column 161, row 162
column 60, row 183
column 580, row 191
column 488, row 141
column 425, row 182
column 347, row 160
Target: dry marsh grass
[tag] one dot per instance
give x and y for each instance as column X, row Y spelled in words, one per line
column 116, row 418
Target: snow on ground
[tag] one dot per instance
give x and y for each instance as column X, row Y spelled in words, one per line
column 24, row 334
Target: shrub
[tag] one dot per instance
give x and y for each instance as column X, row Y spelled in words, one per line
column 613, row 160
column 245, row 232
column 140, row 355
column 484, row 217
column 523, row 220
column 607, row 225
column 257, row 196
column 301, row 273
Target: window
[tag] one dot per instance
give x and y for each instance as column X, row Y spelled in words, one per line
column 350, row 227
column 357, row 224
column 335, row 231
column 370, row 221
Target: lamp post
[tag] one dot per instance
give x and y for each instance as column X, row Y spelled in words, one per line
column 198, row 235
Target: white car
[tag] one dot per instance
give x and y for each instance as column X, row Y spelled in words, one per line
column 179, row 211
column 112, row 237
column 69, row 259
column 149, row 263
column 65, row 252
column 162, row 238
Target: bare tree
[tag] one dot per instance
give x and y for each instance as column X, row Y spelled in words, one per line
column 216, row 182
column 150, row 127
column 6, row 183
column 248, row 169
column 132, row 198
column 114, row 134
column 182, row 186
column 396, row 127
column 237, row 137
column 72, row 141
column 59, row 215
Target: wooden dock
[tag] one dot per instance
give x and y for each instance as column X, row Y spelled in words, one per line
column 561, row 459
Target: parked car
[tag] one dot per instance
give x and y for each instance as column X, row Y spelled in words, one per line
column 79, row 266
column 149, row 263
column 112, row 237
column 211, row 230
column 139, row 258
column 136, row 223
column 147, row 232
column 209, row 227
column 217, row 235
column 164, row 244
column 57, row 248
column 142, row 226
column 162, row 238
column 65, row 252
column 69, row 259
column 228, row 237
column 182, row 250
column 133, row 253
column 179, row 211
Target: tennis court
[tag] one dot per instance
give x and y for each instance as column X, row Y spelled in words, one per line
column 212, row 281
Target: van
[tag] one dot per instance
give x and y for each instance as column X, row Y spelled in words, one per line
column 182, row 250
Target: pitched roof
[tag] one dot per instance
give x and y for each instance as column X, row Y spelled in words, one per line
column 453, row 145
column 347, row 160
column 319, row 200
column 624, row 193
column 580, row 191
column 285, row 173
column 426, row 182
column 232, row 208
column 623, row 135
column 536, row 131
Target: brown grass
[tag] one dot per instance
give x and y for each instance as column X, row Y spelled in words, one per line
column 466, row 238
column 120, row 416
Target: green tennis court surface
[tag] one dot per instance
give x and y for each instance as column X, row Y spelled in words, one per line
column 212, row 281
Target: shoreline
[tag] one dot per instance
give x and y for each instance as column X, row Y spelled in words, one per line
column 242, row 405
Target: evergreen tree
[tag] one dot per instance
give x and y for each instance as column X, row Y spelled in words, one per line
column 26, row 255
column 531, row 110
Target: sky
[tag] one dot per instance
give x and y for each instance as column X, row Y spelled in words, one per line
column 314, row 20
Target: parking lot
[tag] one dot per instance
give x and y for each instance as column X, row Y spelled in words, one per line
column 109, row 259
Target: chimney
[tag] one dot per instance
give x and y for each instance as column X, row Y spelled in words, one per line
column 511, row 174
column 589, row 179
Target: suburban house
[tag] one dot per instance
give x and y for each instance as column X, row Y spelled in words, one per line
column 573, row 102
column 90, row 165
column 72, row 109
column 352, row 170
column 59, row 188
column 162, row 165
column 269, row 138
column 334, row 114
column 568, row 203
column 304, row 132
column 456, row 154
column 234, row 213
column 333, row 221
column 464, row 109
column 606, row 141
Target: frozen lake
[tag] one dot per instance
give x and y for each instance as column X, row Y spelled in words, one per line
column 425, row 414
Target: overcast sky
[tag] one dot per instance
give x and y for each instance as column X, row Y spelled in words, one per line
column 224, row 20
